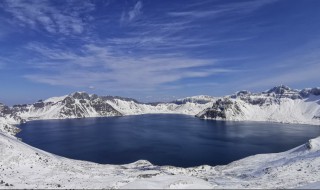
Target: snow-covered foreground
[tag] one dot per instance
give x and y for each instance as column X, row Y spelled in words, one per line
column 23, row 166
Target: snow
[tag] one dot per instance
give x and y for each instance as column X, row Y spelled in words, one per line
column 291, row 106
column 315, row 185
column 133, row 108
column 271, row 109
column 287, row 111
column 56, row 107
column 23, row 166
column 7, row 125
column 55, row 99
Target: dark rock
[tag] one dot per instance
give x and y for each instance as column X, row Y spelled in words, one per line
column 310, row 91
column 81, row 95
column 219, row 109
column 38, row 105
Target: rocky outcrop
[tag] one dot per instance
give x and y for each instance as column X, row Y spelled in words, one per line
column 279, row 104
column 76, row 105
column 220, row 109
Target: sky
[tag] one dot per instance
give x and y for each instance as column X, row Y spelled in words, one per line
column 156, row 50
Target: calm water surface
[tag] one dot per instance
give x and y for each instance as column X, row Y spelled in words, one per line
column 162, row 139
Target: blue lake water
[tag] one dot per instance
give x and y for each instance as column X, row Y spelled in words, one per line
column 162, row 139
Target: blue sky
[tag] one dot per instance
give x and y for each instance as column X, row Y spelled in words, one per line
column 156, row 50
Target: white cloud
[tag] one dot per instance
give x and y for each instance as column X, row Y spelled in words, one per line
column 136, row 11
column 196, row 14
column 299, row 66
column 132, row 14
column 294, row 76
column 103, row 68
column 43, row 14
column 233, row 8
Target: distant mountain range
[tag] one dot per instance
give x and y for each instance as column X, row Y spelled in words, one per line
column 279, row 104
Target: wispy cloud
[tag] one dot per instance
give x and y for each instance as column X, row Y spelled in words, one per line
column 155, row 47
column 196, row 14
column 102, row 67
column 293, row 76
column 44, row 14
column 227, row 9
column 299, row 66
column 132, row 14
column 136, row 11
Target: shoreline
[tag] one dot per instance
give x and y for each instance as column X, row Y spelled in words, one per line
column 222, row 120
column 24, row 166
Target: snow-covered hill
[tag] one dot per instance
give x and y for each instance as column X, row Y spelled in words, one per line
column 279, row 104
column 23, row 166
column 81, row 104
column 134, row 108
column 76, row 105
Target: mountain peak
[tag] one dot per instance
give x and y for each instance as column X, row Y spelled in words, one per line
column 281, row 89
column 310, row 91
column 80, row 95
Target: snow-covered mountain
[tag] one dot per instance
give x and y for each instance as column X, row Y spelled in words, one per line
column 23, row 166
column 76, row 105
column 134, row 108
column 202, row 99
column 81, row 104
column 279, row 104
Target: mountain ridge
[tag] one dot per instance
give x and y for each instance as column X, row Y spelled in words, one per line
column 278, row 104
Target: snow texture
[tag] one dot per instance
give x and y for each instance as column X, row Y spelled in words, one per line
column 23, row 166
column 279, row 104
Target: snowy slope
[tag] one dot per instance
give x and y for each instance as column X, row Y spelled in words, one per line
column 134, row 108
column 279, row 104
column 23, row 166
column 76, row 105
column 8, row 120
column 81, row 104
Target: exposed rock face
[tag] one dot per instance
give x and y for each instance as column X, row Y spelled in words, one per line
column 81, row 104
column 10, row 113
column 219, row 109
column 76, row 105
column 4, row 109
column 104, row 108
column 279, row 104
column 310, row 91
column 9, row 129
column 282, row 89
column 8, row 119
column 81, row 95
